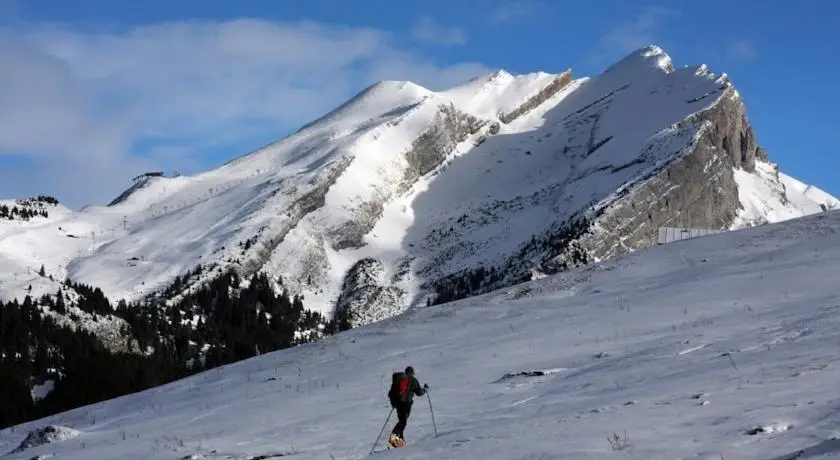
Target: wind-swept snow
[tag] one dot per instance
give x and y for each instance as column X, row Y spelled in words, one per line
column 771, row 196
column 497, row 93
column 716, row 347
column 809, row 192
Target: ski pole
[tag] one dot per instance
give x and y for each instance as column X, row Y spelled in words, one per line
column 380, row 431
column 432, row 411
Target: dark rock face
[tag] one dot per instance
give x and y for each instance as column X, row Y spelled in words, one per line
column 761, row 154
column 731, row 130
column 360, row 287
column 428, row 151
column 681, row 195
column 365, row 294
column 138, row 184
column 748, row 147
column 350, row 233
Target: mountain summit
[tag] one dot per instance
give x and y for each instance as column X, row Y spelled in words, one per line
column 403, row 195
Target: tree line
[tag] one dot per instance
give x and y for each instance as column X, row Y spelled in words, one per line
column 224, row 321
column 22, row 213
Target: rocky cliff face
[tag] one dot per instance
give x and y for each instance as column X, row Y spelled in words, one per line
column 696, row 189
column 367, row 294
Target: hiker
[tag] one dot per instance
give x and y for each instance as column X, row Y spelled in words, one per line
column 403, row 388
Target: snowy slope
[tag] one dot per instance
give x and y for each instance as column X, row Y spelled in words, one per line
column 717, row 347
column 771, row 196
column 810, row 192
column 413, row 184
column 24, row 246
column 498, row 93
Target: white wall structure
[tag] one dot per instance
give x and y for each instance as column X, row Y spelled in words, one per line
column 671, row 234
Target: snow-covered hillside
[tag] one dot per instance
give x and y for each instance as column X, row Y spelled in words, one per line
column 771, row 196
column 716, row 347
column 402, row 192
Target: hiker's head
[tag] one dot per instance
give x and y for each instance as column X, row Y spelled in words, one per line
column 409, row 370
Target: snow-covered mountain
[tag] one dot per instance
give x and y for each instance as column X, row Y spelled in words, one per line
column 404, row 196
column 717, row 347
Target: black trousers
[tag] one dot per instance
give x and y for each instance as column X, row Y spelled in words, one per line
column 403, row 411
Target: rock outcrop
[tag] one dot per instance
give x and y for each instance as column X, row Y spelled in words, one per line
column 695, row 189
column 367, row 295
column 450, row 127
column 46, row 435
column 553, row 88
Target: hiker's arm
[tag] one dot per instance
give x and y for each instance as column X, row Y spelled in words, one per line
column 418, row 390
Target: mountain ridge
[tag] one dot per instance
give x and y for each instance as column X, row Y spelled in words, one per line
column 412, row 190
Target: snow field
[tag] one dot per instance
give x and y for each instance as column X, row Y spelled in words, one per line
column 717, row 346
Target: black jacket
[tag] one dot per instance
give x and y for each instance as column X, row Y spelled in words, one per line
column 414, row 389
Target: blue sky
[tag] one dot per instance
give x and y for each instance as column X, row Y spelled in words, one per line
column 96, row 91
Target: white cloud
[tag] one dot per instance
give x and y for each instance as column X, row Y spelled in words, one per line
column 742, row 49
column 631, row 35
column 45, row 109
column 71, row 96
column 429, row 31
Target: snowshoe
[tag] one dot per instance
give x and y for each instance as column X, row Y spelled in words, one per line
column 395, row 441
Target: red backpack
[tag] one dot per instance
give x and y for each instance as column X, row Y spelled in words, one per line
column 400, row 387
